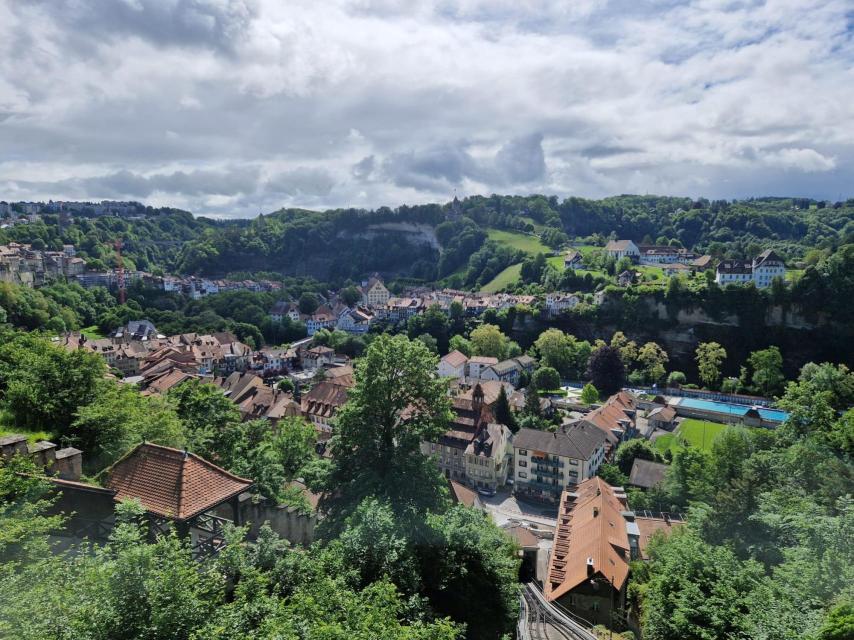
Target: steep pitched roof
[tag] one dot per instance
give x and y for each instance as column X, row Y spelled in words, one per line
column 590, row 539
column 455, row 359
column 172, row 483
column 618, row 245
column 647, row 474
column 578, row 441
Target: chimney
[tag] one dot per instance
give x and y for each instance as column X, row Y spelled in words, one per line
column 12, row 445
column 595, row 512
column 43, row 454
column 69, row 463
column 590, row 569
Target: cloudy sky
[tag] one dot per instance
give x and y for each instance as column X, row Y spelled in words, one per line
column 231, row 107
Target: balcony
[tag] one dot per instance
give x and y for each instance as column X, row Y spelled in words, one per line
column 550, row 472
column 547, row 461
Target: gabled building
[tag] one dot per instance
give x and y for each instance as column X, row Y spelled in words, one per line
column 472, row 419
column 179, row 491
column 622, row 249
column 572, row 259
column 374, row 293
column 453, row 365
column 546, row 463
column 617, row 419
column 477, row 364
column 589, row 566
column 761, row 271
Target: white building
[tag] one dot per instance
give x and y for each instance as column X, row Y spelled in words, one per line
column 453, row 365
column 622, row 248
column 546, row 463
column 761, row 272
column 374, row 293
column 477, row 364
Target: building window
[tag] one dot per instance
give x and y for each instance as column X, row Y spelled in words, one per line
column 523, row 463
column 523, row 452
column 522, row 474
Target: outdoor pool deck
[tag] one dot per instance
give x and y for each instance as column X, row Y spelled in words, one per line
column 727, row 412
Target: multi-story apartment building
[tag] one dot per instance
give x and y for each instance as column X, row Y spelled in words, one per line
column 546, row 463
column 761, row 271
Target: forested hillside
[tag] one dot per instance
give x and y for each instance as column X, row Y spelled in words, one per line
column 349, row 243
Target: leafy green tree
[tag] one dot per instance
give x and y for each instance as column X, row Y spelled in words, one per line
column 546, row 378
column 119, row 419
column 487, row 340
column 629, row 451
column 42, row 385
column 532, row 400
column 350, row 295
column 767, row 366
column 676, row 378
column 651, row 360
column 605, row 369
column 209, row 417
column 396, row 404
column 589, row 394
column 628, row 349
column 503, row 412
column 827, row 377
column 839, row 624
column 611, row 474
column 710, row 356
column 465, row 553
column 308, row 303
column 459, row 343
column 428, row 341
column 697, row 590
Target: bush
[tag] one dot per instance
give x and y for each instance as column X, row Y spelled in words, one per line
column 547, row 378
column 675, row 379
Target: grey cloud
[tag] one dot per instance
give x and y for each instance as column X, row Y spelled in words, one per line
column 522, row 159
column 301, row 181
column 519, row 161
column 364, row 168
column 431, row 169
column 123, row 184
column 215, row 23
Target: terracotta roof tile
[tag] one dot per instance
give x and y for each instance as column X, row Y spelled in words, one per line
column 590, row 526
column 172, row 483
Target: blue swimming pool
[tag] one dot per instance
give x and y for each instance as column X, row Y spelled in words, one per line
column 775, row 415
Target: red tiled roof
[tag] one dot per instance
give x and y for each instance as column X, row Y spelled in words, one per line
column 172, row 483
column 590, row 529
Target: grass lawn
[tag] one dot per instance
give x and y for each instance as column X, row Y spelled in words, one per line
column 32, row 436
column 701, row 433
column 537, row 226
column 92, row 333
column 529, row 244
column 697, row 433
column 557, row 262
column 665, row 442
column 505, row 278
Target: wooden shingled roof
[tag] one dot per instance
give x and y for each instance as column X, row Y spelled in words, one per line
column 172, row 483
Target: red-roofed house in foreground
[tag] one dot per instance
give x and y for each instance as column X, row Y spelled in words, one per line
column 178, row 490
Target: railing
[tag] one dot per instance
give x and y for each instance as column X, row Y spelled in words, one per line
column 546, row 472
column 547, row 461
